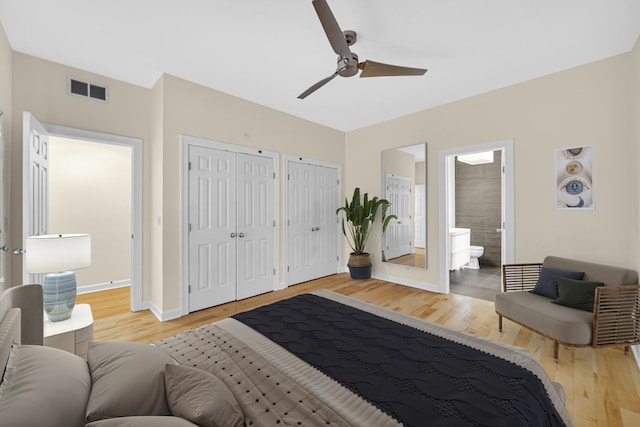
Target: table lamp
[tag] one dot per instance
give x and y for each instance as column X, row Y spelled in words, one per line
column 56, row 255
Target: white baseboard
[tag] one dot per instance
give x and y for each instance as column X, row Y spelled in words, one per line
column 162, row 316
column 406, row 282
column 103, row 286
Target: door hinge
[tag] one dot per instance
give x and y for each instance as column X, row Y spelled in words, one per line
column 503, row 169
column 288, row 177
column 274, row 271
column 337, row 257
column 288, row 269
column 189, row 227
column 189, row 288
column 338, row 182
column 288, row 222
column 274, row 175
column 189, row 165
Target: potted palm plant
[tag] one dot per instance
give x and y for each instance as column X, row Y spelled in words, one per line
column 357, row 222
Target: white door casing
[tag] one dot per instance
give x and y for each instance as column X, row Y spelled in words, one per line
column 229, row 204
column 35, row 184
column 399, row 234
column 446, row 193
column 420, row 219
column 313, row 193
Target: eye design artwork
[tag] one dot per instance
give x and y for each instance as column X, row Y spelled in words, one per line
column 574, row 177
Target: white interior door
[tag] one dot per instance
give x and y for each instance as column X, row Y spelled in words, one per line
column 312, row 227
column 35, row 183
column 420, row 219
column 212, row 224
column 256, row 225
column 398, row 236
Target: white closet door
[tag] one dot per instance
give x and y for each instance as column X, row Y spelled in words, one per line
column 300, row 222
column 326, row 235
column 399, row 232
column 212, row 219
column 256, row 225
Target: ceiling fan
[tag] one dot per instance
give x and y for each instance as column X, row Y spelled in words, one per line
column 348, row 64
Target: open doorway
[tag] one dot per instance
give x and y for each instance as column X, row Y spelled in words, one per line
column 36, row 191
column 90, row 192
column 476, row 217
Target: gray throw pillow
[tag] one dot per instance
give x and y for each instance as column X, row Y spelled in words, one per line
column 576, row 293
column 547, row 284
column 201, row 397
column 128, row 379
column 44, row 387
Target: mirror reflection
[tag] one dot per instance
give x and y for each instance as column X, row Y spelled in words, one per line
column 404, row 176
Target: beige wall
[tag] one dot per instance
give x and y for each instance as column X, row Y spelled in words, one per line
column 6, row 101
column 587, row 105
column 635, row 173
column 592, row 104
column 191, row 109
column 39, row 87
column 90, row 192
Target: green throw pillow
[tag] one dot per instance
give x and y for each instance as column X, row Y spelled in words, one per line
column 576, row 293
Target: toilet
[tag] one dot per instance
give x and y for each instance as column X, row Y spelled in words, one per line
column 475, row 252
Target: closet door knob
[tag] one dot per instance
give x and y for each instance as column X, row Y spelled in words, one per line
column 233, row 235
column 241, row 235
column 313, row 229
column 317, row 228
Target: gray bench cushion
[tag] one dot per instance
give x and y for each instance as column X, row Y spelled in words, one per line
column 566, row 324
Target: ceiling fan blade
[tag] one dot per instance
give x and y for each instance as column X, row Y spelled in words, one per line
column 331, row 28
column 378, row 69
column 317, row 86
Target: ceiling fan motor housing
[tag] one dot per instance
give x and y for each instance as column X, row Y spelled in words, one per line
column 348, row 65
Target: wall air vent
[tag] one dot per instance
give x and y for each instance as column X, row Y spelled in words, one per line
column 87, row 90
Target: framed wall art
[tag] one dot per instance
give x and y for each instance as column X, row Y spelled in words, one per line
column 574, row 168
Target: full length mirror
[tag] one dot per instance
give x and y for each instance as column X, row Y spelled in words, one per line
column 404, row 176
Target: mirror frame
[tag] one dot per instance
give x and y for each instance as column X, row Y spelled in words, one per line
column 397, row 168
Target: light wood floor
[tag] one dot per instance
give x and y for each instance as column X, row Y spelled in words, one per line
column 602, row 386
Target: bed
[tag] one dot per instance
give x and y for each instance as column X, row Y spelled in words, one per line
column 314, row 360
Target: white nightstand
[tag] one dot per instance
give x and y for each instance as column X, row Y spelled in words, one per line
column 73, row 334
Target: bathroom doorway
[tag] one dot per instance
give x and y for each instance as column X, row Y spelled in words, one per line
column 478, row 209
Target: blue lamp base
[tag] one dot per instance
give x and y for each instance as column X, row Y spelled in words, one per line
column 59, row 295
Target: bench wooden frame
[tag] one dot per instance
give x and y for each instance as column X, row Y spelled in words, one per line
column 616, row 311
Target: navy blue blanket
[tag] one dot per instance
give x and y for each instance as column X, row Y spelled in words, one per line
column 418, row 378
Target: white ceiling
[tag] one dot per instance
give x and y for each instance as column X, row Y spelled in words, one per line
column 269, row 52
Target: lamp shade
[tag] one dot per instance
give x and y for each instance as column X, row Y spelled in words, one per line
column 57, row 252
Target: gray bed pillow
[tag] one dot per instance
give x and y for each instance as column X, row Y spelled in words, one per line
column 201, row 397
column 128, row 379
column 166, row 421
column 44, row 387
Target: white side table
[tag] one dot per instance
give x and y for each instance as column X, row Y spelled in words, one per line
column 72, row 335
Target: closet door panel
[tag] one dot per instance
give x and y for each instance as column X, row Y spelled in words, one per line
column 326, row 234
column 212, row 250
column 300, row 197
column 256, row 225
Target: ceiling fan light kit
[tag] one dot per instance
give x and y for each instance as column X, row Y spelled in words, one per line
column 348, row 65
